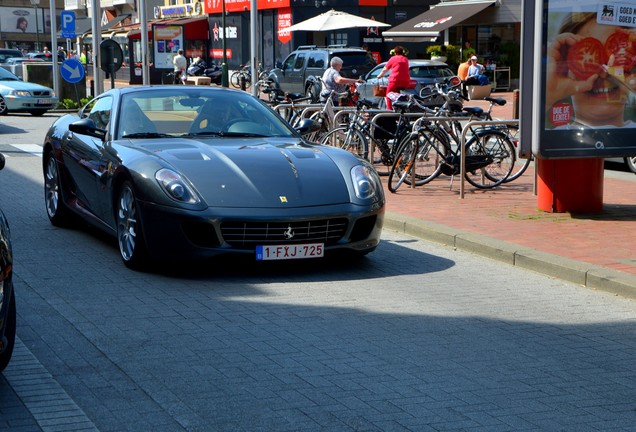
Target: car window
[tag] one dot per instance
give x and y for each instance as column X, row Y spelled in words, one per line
column 430, row 72
column 316, row 59
column 375, row 72
column 187, row 111
column 300, row 61
column 289, row 62
column 356, row 59
column 100, row 112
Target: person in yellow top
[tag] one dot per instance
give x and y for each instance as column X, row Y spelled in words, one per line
column 83, row 57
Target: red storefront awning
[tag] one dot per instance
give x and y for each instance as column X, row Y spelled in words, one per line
column 193, row 28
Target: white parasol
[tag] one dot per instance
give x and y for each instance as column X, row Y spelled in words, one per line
column 334, row 20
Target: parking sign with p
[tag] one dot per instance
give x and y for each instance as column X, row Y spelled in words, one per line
column 68, row 24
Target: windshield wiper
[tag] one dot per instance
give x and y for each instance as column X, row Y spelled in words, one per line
column 146, row 135
column 204, row 133
column 245, row 134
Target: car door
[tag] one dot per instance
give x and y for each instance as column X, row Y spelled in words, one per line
column 83, row 157
column 366, row 89
column 296, row 76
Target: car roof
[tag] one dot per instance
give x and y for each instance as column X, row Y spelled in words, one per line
column 421, row 62
column 22, row 59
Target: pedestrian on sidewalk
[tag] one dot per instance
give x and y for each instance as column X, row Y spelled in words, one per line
column 180, row 65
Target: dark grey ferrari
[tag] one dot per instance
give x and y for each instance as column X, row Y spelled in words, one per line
column 180, row 172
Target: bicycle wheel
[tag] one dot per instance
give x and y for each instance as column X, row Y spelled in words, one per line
column 349, row 139
column 419, row 158
column 490, row 158
column 235, row 79
column 325, row 126
column 521, row 165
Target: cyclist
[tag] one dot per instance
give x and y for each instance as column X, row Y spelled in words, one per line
column 400, row 77
column 332, row 80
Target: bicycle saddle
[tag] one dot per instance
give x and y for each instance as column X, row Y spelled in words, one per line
column 474, row 111
column 294, row 96
column 497, row 101
column 367, row 103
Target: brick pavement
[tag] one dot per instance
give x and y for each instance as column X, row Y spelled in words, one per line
column 597, row 249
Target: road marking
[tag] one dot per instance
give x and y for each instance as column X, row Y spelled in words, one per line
column 33, row 149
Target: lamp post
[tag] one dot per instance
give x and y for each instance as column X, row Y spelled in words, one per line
column 225, row 82
column 35, row 4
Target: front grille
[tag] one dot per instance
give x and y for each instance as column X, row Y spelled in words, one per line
column 41, row 93
column 250, row 234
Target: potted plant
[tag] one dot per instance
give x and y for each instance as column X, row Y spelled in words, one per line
column 436, row 52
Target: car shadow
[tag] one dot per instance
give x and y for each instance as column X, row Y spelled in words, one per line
column 6, row 129
column 336, row 265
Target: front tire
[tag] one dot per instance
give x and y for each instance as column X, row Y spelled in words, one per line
column 58, row 213
column 3, row 107
column 130, row 239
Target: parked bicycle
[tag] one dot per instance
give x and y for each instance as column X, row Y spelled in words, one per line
column 244, row 74
column 169, row 77
column 434, row 147
column 362, row 131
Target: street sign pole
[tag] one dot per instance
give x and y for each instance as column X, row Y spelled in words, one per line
column 224, row 72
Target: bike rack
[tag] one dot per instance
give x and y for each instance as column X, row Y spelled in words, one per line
column 462, row 141
column 384, row 114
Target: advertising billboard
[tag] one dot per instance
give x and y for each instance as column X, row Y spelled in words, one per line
column 585, row 100
column 168, row 39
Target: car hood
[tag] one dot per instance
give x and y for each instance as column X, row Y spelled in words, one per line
column 22, row 85
column 263, row 172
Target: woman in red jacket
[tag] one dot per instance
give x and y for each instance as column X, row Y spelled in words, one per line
column 400, row 77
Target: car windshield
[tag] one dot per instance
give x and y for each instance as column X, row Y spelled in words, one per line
column 428, row 71
column 188, row 112
column 5, row 75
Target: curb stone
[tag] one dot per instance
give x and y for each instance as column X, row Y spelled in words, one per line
column 584, row 274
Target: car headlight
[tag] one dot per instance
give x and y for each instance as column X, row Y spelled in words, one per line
column 176, row 187
column 20, row 93
column 366, row 182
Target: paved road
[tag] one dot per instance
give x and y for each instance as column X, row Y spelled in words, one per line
column 415, row 337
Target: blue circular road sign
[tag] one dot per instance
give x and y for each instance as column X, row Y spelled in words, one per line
column 72, row 71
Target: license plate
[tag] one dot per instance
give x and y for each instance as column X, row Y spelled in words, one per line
column 45, row 101
column 286, row 252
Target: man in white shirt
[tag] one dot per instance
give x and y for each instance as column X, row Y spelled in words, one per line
column 180, row 65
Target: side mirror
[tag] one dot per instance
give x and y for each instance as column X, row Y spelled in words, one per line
column 279, row 64
column 307, row 126
column 87, row 126
column 2, row 161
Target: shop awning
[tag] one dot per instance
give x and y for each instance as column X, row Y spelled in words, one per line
column 112, row 23
column 427, row 26
column 83, row 26
column 193, row 28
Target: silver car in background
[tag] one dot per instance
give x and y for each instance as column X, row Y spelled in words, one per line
column 424, row 72
column 21, row 96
